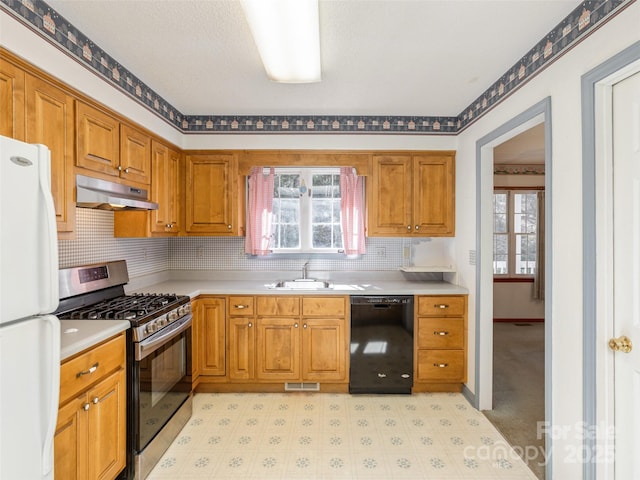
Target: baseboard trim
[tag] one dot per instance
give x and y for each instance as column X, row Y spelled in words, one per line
column 498, row 320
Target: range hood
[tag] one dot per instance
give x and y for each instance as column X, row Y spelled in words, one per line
column 104, row 195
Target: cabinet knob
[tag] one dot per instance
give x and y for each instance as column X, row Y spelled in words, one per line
column 409, row 227
column 304, row 326
column 86, row 407
column 126, row 170
column 168, row 225
column 96, row 400
column 229, row 227
column 417, row 227
column 295, row 325
column 250, row 325
column 119, row 168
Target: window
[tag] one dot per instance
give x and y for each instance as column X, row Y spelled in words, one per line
column 306, row 211
column 515, row 219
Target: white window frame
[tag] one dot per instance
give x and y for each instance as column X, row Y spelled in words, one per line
column 511, row 234
column 306, row 231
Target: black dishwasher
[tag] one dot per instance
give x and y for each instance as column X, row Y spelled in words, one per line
column 381, row 344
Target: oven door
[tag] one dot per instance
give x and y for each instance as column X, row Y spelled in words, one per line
column 162, row 379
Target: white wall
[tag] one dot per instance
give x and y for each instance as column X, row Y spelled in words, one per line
column 560, row 81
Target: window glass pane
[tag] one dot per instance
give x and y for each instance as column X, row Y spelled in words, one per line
column 500, row 254
column 322, row 236
column 525, row 254
column 500, row 213
column 525, row 212
column 322, row 211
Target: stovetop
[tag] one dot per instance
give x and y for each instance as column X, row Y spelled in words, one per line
column 96, row 291
column 135, row 308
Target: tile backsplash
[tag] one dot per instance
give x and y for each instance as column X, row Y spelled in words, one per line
column 95, row 243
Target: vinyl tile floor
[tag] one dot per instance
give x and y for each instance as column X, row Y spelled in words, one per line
column 302, row 435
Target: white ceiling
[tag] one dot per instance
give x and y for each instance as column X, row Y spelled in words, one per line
column 379, row 57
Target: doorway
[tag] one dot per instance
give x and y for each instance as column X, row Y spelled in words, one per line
column 518, row 306
column 539, row 114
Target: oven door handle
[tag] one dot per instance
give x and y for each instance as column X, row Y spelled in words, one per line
column 154, row 342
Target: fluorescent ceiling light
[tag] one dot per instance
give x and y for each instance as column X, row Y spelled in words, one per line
column 287, row 34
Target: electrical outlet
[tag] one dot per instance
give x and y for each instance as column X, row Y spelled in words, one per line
column 472, row 257
column 200, row 252
column 381, row 252
column 144, row 253
column 407, row 253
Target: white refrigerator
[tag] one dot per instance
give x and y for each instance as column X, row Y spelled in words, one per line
column 29, row 336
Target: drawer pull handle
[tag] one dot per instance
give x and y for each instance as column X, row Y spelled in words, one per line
column 441, row 365
column 88, row 372
column 240, row 307
column 442, row 305
column 443, row 333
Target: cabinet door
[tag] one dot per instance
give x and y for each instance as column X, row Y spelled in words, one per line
column 12, row 123
column 107, row 427
column 324, row 349
column 212, row 336
column 164, row 188
column 70, row 442
column 50, row 121
column 135, row 155
column 434, row 196
column 389, row 196
column 211, row 194
column 98, row 138
column 241, row 348
column 278, row 349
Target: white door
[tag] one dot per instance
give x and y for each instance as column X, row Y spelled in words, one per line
column 626, row 292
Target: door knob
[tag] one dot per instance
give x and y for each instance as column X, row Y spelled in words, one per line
column 621, row 344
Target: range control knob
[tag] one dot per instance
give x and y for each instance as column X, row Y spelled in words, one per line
column 173, row 315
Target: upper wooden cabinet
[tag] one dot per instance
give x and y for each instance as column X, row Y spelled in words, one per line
column 110, row 148
column 412, row 195
column 12, row 122
column 50, row 121
column 165, row 190
column 98, row 138
column 211, row 194
column 135, row 155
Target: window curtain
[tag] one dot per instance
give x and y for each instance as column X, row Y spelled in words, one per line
column 259, row 212
column 538, row 281
column 352, row 209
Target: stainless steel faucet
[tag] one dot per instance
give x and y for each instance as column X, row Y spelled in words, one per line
column 305, row 268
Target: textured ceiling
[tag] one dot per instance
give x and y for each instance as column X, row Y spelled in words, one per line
column 379, row 57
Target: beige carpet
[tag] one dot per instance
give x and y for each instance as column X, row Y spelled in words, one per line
column 518, row 389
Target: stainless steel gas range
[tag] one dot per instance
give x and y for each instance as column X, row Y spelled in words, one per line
column 158, row 355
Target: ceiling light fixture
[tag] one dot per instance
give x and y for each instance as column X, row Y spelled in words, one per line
column 287, row 34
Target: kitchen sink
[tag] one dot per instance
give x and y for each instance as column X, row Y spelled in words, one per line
column 302, row 284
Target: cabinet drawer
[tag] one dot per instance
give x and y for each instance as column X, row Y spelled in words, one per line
column 440, row 366
column 440, row 332
column 86, row 369
column 241, row 306
column 277, row 305
column 324, row 306
column 441, row 306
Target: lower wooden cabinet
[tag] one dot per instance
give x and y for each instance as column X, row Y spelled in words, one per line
column 211, row 330
column 440, row 341
column 90, row 438
column 276, row 339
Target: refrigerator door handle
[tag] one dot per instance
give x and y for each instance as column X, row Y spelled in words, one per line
column 50, row 248
column 52, row 395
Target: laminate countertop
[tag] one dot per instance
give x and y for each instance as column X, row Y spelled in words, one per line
column 222, row 283
column 79, row 335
